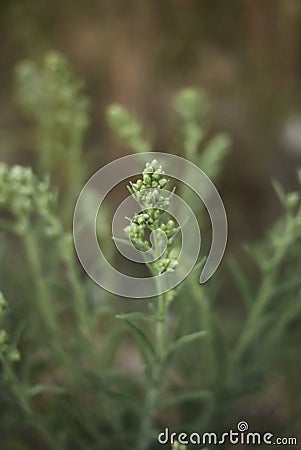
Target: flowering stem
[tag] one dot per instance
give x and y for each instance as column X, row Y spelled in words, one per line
column 156, row 379
column 161, row 327
column 147, row 191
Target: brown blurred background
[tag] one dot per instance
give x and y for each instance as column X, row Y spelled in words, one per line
column 245, row 53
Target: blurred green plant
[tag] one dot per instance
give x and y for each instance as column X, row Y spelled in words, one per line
column 177, row 446
column 74, row 386
column 8, row 353
column 52, row 98
column 192, row 106
column 127, row 128
column 156, row 221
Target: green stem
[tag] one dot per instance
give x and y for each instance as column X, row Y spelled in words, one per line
column 78, row 291
column 156, row 383
column 46, row 305
column 209, row 355
column 161, row 326
column 84, row 318
column 43, row 300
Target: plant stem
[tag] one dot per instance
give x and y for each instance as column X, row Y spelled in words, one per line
column 42, row 298
column 161, row 327
column 156, row 383
column 78, row 291
column 46, row 307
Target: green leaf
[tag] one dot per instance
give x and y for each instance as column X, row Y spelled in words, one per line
column 147, row 350
column 241, row 282
column 135, row 315
column 212, row 157
column 184, row 340
column 112, row 344
column 44, row 388
column 279, row 191
column 185, row 396
column 291, row 312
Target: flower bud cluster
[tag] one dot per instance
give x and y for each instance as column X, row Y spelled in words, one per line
column 24, row 195
column 137, row 227
column 147, row 192
column 166, row 265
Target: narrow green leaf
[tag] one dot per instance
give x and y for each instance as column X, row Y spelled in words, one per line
column 241, row 282
column 147, row 350
column 211, row 159
column 280, row 192
column 43, row 388
column 184, row 340
column 291, row 312
column 184, row 396
column 135, row 315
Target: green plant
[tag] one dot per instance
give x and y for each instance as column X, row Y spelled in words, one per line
column 154, row 219
column 52, row 98
column 192, row 106
column 76, row 384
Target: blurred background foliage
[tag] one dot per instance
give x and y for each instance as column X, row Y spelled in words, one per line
column 245, row 55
